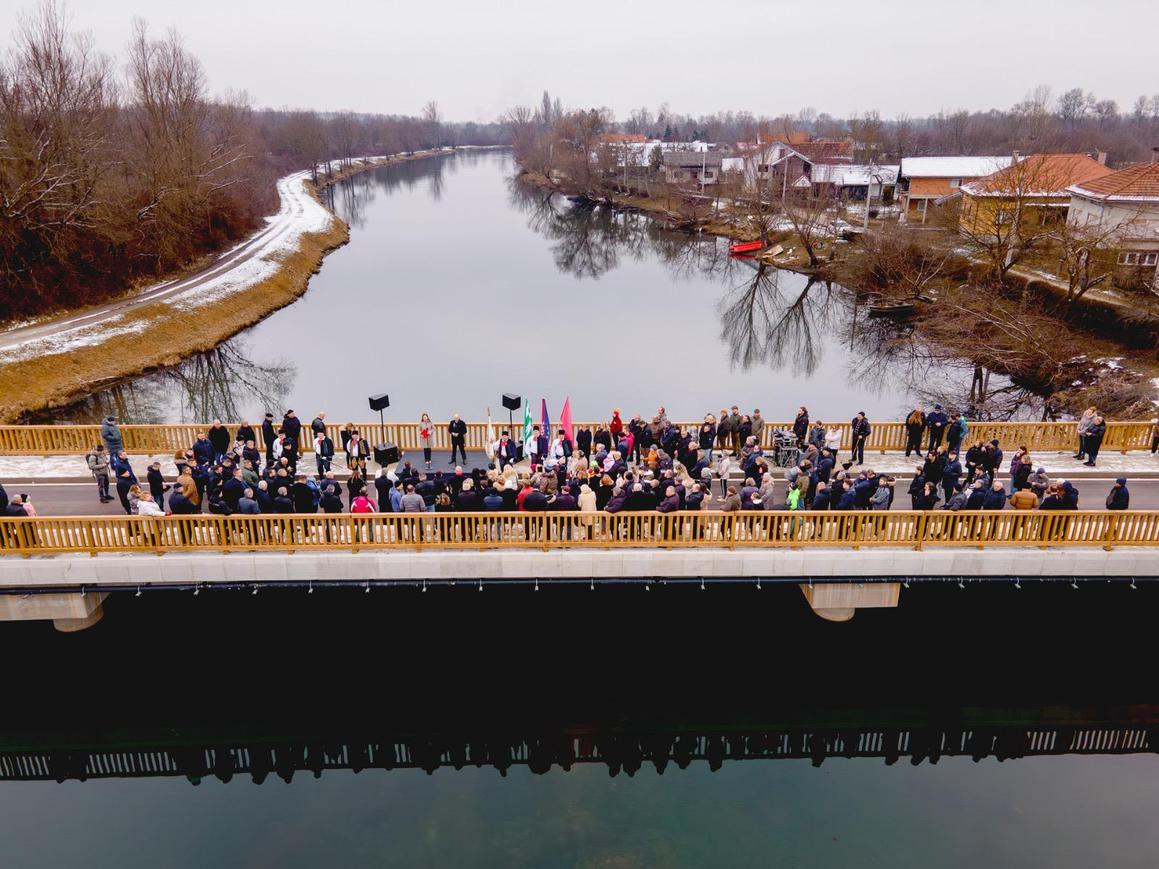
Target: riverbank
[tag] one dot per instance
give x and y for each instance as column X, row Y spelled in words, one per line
column 1114, row 365
column 53, row 363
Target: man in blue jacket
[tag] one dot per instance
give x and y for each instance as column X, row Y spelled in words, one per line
column 936, row 422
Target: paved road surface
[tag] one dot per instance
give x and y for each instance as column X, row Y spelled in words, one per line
column 80, row 499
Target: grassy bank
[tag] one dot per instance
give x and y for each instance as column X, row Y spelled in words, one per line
column 156, row 335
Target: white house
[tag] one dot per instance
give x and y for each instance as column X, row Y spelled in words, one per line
column 926, row 178
column 853, row 181
column 1127, row 200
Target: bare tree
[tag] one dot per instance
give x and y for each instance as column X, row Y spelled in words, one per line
column 809, row 212
column 893, row 263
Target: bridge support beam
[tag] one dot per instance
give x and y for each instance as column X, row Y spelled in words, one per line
column 69, row 611
column 838, row 601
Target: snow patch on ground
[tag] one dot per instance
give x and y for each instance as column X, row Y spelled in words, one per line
column 298, row 214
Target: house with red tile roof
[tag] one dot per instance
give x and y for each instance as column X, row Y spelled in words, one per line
column 1126, row 202
column 1032, row 192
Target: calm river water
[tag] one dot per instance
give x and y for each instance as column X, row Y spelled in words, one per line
column 455, row 672
column 460, row 284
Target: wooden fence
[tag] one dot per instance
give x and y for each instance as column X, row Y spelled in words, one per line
column 576, row 530
column 46, row 440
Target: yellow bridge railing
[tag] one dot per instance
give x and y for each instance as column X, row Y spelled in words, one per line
column 45, row 440
column 577, row 530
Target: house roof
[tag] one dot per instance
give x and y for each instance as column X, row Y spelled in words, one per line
column 1135, row 183
column 849, row 175
column 952, row 167
column 1039, row 175
column 691, row 159
column 623, row 138
column 825, row 151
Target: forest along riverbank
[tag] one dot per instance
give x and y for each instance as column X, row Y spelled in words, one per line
column 52, row 363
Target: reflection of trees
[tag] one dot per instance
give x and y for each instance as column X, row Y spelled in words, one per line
column 218, row 384
column 590, row 239
column 766, row 321
column 897, row 356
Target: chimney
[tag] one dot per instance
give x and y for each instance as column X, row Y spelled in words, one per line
column 1015, row 156
column 1101, row 156
column 1155, row 154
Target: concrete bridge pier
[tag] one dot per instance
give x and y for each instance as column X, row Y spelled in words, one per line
column 838, row 601
column 69, row 611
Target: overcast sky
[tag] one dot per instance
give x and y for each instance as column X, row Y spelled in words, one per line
column 478, row 58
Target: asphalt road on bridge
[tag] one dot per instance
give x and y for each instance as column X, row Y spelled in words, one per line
column 80, row 498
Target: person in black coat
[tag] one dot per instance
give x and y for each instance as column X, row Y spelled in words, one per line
column 282, row 502
column 382, row 486
column 951, row 474
column 331, row 503
column 156, row 484
column 583, row 441
column 1119, row 498
column 302, row 496
column 1094, row 440
column 179, row 505
column 292, row 426
column 995, row 498
column 936, row 422
column 861, row 431
column 932, row 469
column 233, row 490
column 915, row 424
column 801, row 426
column 125, row 482
column 263, row 497
column 917, row 487
column 269, row 435
column 457, row 430
column 220, row 438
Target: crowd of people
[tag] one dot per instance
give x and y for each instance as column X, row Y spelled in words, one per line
column 623, row 465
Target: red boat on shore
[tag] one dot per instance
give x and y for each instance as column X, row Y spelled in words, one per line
column 745, row 247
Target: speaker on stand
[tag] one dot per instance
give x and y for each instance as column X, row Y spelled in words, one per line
column 383, row 452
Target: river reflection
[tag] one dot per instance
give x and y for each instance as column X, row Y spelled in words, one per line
column 221, row 383
column 726, row 728
column 466, row 282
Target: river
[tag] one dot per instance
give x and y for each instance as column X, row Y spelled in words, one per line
column 440, row 679
column 460, row 284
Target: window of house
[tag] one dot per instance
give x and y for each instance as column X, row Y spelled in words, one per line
column 1150, row 259
column 955, row 183
column 1128, row 259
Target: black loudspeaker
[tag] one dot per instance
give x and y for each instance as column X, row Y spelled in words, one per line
column 379, row 402
column 512, row 402
column 386, row 454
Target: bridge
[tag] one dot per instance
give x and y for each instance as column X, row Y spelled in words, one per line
column 50, row 440
column 842, row 561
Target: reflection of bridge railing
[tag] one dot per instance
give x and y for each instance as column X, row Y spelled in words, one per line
column 76, row 439
column 579, row 530
column 620, row 751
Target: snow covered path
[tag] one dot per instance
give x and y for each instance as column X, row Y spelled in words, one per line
column 239, row 268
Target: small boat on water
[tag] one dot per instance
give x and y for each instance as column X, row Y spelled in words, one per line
column 891, row 309
column 745, row 247
column 897, row 307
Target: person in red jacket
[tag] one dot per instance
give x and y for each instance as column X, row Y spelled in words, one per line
column 616, row 425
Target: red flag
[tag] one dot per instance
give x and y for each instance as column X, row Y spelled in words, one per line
column 565, row 422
